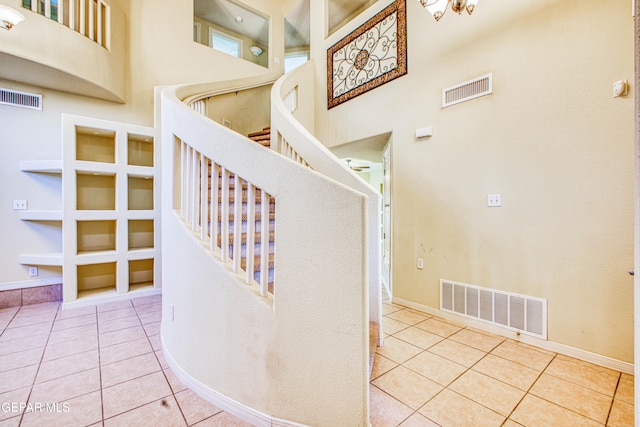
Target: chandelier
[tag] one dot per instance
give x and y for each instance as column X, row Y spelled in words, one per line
column 438, row 7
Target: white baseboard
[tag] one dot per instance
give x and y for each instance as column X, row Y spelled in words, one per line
column 33, row 283
column 555, row 347
column 223, row 402
column 84, row 302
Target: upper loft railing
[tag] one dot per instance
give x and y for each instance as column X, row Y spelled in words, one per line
column 90, row 18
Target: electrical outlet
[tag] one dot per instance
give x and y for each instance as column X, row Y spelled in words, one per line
column 19, row 205
column 171, row 312
column 420, row 264
column 33, row 271
column 494, row 200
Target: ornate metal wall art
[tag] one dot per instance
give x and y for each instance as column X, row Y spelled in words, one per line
column 372, row 55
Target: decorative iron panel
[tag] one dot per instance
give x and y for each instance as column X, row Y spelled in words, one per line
column 372, row 55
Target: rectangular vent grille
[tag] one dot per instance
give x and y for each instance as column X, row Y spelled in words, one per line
column 520, row 313
column 20, row 99
column 468, row 90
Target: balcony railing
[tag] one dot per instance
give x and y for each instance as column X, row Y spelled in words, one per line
column 90, row 18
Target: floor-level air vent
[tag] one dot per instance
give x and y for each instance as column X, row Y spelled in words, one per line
column 468, row 90
column 20, row 99
column 521, row 313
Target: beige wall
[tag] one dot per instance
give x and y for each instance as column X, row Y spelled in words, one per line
column 551, row 139
column 161, row 51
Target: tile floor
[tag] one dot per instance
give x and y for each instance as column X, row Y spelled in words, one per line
column 431, row 372
column 104, row 367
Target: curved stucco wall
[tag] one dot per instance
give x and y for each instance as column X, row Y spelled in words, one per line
column 300, row 355
column 42, row 51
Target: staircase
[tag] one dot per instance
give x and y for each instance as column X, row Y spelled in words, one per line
column 263, row 138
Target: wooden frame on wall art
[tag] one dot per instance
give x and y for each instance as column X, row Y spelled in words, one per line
column 373, row 54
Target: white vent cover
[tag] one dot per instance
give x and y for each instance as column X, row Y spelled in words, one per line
column 20, row 99
column 520, row 313
column 468, row 90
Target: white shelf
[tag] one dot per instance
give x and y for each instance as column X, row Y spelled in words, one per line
column 141, row 171
column 52, row 259
column 95, row 168
column 138, row 254
column 96, row 215
column 96, row 257
column 42, row 166
column 35, row 215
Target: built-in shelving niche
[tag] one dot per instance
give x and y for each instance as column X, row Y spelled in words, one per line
column 140, row 274
column 97, row 280
column 140, row 191
column 95, row 191
column 95, row 145
column 140, row 150
column 141, row 234
column 96, row 236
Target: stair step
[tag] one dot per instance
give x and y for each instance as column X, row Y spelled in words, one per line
column 258, row 238
column 258, row 216
column 264, row 131
column 256, row 263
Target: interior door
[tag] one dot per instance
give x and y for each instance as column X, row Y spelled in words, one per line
column 386, row 219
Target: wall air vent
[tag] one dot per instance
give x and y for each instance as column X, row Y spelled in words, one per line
column 468, row 90
column 520, row 313
column 20, row 99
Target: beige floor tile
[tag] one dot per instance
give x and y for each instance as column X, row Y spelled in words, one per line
column 124, row 350
column 507, row 371
column 17, row 378
column 511, row 423
column 408, row 387
column 398, row 350
column 589, row 365
column 624, row 392
column 104, row 316
column 523, row 355
column 391, row 326
column 152, row 328
column 438, row 327
column 385, row 410
column 436, row 368
column 11, row 422
column 621, row 415
column 123, row 335
column 23, row 331
column 477, row 340
column 536, row 412
column 532, row 347
column 112, row 306
column 149, row 316
column 418, row 337
column 407, row 316
column 72, row 334
column 148, row 306
column 67, row 365
column 194, row 408
column 174, row 382
column 155, row 342
column 21, row 359
column 582, row 374
column 161, row 359
column 74, row 322
column 453, row 410
column 81, row 411
column 576, row 398
column 46, row 320
column 223, row 419
column 11, row 401
column 125, row 396
column 164, row 412
column 75, row 312
column 111, row 325
column 128, row 369
column 417, row 420
column 65, row 388
column 627, row 377
column 381, row 365
column 21, row 344
column 456, row 352
column 43, row 307
column 68, row 348
column 495, row 395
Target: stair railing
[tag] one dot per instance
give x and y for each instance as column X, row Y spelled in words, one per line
column 290, row 136
column 263, row 343
column 91, row 18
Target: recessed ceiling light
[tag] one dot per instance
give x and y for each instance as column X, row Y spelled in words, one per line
column 239, row 19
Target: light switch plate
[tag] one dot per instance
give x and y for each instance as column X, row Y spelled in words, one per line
column 494, row 200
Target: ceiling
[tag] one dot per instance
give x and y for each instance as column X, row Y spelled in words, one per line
column 223, row 13
column 297, row 22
